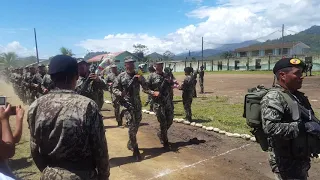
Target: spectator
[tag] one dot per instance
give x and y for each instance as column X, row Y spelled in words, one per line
column 8, row 140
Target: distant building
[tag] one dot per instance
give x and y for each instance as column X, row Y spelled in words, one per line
column 260, row 50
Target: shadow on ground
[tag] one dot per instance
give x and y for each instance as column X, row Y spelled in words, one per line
column 149, row 153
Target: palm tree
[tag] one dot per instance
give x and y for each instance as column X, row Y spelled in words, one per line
column 66, row 51
column 8, row 59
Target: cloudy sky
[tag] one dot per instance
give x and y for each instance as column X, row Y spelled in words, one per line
column 175, row 25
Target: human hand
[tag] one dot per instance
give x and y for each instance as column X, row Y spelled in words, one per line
column 19, row 113
column 312, row 128
column 94, row 77
column 155, row 93
column 5, row 112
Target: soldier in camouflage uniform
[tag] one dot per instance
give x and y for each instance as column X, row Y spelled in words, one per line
column 201, row 75
column 90, row 84
column 161, row 83
column 110, row 79
column 187, row 88
column 67, row 133
column 149, row 100
column 288, row 144
column 194, row 77
column 129, row 94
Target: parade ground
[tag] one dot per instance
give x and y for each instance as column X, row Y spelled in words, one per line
column 196, row 153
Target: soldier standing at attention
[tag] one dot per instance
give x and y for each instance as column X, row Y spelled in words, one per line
column 187, row 88
column 110, row 79
column 194, row 79
column 288, row 138
column 67, row 133
column 90, row 84
column 130, row 94
column 161, row 84
column 201, row 75
column 47, row 82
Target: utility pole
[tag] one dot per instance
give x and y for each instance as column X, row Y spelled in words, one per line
column 282, row 40
column 202, row 53
column 35, row 39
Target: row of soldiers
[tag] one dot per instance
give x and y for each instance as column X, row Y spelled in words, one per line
column 29, row 83
column 125, row 91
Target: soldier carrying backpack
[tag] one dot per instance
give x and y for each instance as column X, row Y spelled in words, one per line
column 283, row 121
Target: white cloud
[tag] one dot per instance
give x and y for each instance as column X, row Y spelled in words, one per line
column 16, row 47
column 228, row 22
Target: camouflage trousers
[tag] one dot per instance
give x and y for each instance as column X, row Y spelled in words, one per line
column 187, row 101
column 55, row 173
column 286, row 168
column 194, row 89
column 164, row 113
column 201, row 85
column 133, row 119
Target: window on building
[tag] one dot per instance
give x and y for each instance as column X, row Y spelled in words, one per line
column 268, row 51
column 285, row 51
column 255, row 53
column 243, row 54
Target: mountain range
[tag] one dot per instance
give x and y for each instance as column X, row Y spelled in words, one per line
column 310, row 37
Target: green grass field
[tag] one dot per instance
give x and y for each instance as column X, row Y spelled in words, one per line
column 213, row 111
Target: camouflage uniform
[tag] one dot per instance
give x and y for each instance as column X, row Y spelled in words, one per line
column 47, row 82
column 289, row 156
column 133, row 116
column 110, row 79
column 201, row 75
column 163, row 105
column 187, row 88
column 93, row 90
column 68, row 137
column 194, row 79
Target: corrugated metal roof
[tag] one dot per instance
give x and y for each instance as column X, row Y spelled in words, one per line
column 268, row 46
column 110, row 55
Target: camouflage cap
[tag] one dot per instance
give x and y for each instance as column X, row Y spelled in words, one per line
column 113, row 66
column 288, row 62
column 83, row 62
column 159, row 62
column 41, row 65
column 63, row 63
column 129, row 59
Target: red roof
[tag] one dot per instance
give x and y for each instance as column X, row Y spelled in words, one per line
column 99, row 57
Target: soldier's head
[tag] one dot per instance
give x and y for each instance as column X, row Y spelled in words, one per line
column 32, row 70
column 288, row 72
column 159, row 66
column 201, row 67
column 151, row 69
column 63, row 70
column 129, row 64
column 187, row 70
column 42, row 69
column 83, row 68
column 114, row 68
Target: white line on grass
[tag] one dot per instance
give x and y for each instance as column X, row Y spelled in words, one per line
column 168, row 171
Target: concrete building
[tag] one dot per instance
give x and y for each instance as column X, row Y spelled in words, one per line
column 289, row 49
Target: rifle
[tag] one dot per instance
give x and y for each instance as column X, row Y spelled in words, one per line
column 88, row 80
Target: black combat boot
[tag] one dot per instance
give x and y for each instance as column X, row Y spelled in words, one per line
column 136, row 154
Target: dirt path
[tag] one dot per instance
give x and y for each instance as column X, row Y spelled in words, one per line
column 210, row 156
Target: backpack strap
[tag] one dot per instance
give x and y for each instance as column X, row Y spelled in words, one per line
column 292, row 104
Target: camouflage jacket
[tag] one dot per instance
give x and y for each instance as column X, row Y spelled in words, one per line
column 283, row 132
column 187, row 86
column 111, row 77
column 132, row 96
column 67, row 131
column 93, row 89
column 155, row 81
column 47, row 82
